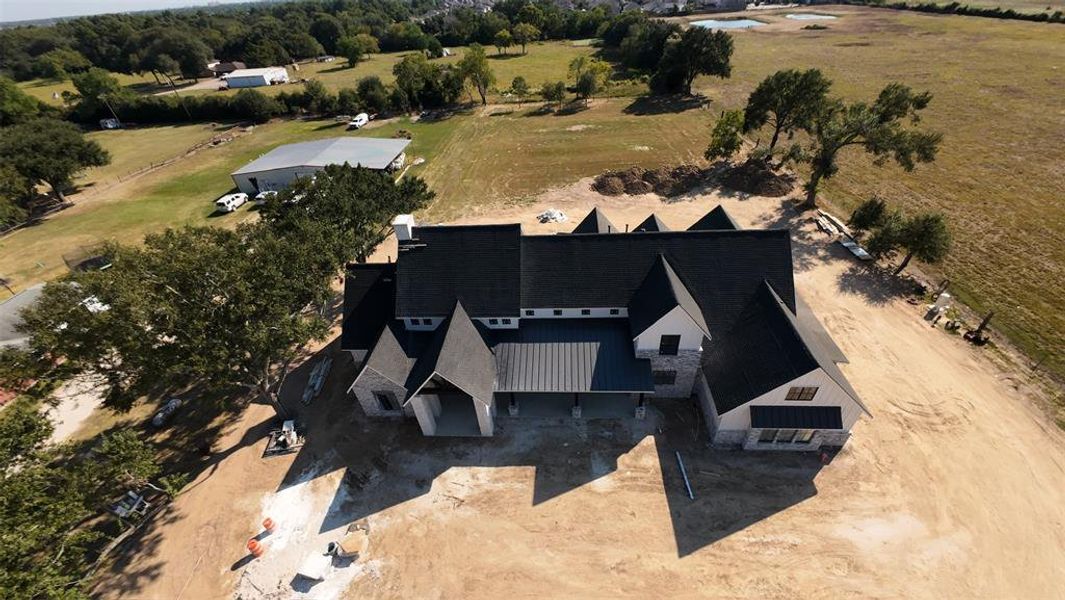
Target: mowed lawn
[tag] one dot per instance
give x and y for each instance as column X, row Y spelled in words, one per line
column 1000, row 175
column 135, row 149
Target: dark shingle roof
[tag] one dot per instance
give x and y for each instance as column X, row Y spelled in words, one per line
column 716, row 219
column 721, row 269
column 459, row 354
column 652, row 223
column 587, row 355
column 660, row 292
column 478, row 265
column 396, row 352
column 796, row 417
column 595, row 222
column 369, row 298
column 763, row 350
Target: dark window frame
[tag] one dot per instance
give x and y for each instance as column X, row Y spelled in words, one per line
column 586, row 311
column 669, row 345
column 493, row 321
column 386, row 401
column 615, row 311
column 557, row 312
column 505, row 321
column 529, row 312
column 415, row 322
column 801, row 394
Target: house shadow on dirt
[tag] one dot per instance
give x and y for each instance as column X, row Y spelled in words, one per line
column 387, row 463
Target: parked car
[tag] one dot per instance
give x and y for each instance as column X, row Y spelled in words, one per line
column 230, row 202
column 164, row 414
column 359, row 121
column 262, row 197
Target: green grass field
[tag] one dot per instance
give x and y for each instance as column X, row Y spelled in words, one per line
column 998, row 178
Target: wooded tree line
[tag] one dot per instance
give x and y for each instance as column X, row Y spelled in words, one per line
column 198, row 312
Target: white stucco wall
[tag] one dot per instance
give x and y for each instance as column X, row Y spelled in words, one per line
column 829, row 393
column 675, row 322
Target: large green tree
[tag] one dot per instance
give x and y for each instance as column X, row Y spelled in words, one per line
column 524, row 34
column 925, row 237
column 886, row 129
column 202, row 306
column 50, row 151
column 698, row 51
column 474, row 68
column 355, row 48
column 16, row 106
column 355, row 205
column 787, row 101
column 726, row 139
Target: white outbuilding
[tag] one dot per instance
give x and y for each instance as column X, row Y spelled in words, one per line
column 248, row 78
column 279, row 167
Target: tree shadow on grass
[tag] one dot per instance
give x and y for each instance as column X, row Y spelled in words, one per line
column 658, row 104
column 507, row 56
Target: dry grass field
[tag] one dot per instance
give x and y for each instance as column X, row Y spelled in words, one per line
column 998, row 178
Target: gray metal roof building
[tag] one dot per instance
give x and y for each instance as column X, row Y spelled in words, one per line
column 372, row 153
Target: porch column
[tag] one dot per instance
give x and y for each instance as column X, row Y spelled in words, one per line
column 513, row 406
column 641, row 409
column 576, row 406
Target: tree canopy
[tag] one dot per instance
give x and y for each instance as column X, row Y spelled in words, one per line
column 16, row 106
column 355, row 48
column 726, row 139
column 474, row 68
column 886, row 129
column 698, row 51
column 49, row 151
column 786, row 101
column 524, row 34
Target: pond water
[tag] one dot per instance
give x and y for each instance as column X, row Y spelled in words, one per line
column 808, row 17
column 727, row 24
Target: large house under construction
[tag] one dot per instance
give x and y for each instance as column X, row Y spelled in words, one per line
column 475, row 321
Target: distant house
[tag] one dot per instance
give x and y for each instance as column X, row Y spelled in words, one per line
column 224, row 68
column 249, row 78
column 279, row 167
column 475, row 320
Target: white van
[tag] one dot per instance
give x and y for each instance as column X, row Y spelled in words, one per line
column 359, row 121
column 230, row 202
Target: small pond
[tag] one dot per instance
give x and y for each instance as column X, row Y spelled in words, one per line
column 808, row 17
column 728, row 23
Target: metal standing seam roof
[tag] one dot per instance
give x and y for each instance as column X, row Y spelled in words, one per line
column 238, row 73
column 372, row 153
column 588, row 355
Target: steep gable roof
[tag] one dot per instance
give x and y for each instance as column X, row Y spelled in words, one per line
column 595, row 222
column 716, row 219
column 660, row 293
column 369, row 298
column 478, row 265
column 721, row 269
column 458, row 354
column 651, row 223
column 764, row 350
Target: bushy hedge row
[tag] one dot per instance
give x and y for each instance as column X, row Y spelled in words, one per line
column 956, row 8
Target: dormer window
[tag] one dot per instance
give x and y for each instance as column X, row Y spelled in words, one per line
column 557, row 312
column 586, row 311
column 493, row 321
column 506, row 321
column 415, row 322
column 615, row 311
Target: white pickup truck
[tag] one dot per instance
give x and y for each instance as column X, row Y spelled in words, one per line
column 230, row 202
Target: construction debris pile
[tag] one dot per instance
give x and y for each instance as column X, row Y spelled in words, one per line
column 665, row 181
column 552, row 215
column 756, row 177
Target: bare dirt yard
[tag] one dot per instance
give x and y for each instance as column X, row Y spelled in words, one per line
column 954, row 488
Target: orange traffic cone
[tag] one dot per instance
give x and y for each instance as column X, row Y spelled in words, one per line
column 256, row 548
column 269, row 525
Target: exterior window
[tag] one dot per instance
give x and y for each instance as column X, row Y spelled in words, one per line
column 801, row 394
column 506, row 321
column 386, row 401
column 804, row 436
column 767, row 436
column 493, row 321
column 785, row 436
column 427, row 321
column 615, row 311
column 664, row 377
column 415, row 321
column 557, row 312
column 586, row 311
column 530, row 312
column 669, row 345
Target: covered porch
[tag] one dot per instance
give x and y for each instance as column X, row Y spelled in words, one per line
column 443, row 409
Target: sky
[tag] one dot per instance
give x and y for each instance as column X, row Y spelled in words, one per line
column 22, row 10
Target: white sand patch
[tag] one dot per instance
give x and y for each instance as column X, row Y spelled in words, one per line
column 77, row 399
column 579, row 127
column 642, row 148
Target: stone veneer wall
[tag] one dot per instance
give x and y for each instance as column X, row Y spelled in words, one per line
column 371, row 381
column 685, row 363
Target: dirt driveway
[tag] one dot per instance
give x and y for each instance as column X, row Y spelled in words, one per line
column 954, row 489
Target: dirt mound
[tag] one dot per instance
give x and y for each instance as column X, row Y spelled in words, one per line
column 666, row 181
column 756, row 177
